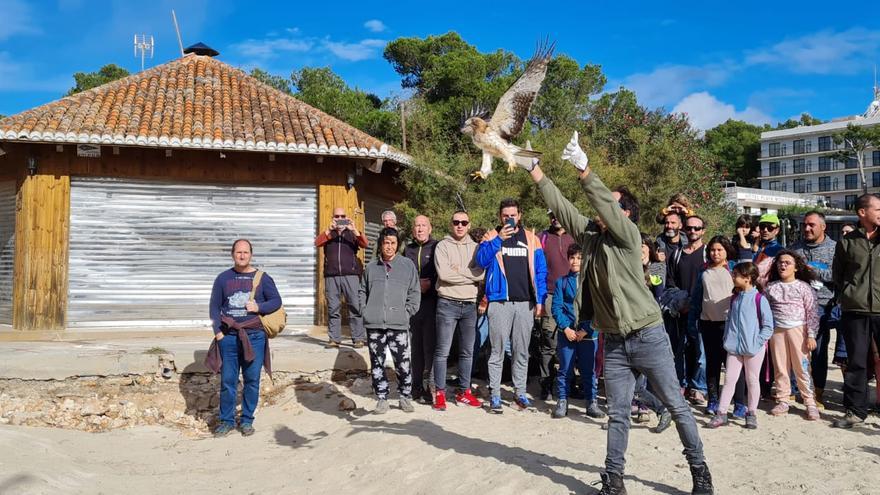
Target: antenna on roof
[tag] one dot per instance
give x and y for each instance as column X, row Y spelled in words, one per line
column 177, row 29
column 143, row 44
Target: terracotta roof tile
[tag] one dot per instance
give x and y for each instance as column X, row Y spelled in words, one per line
column 194, row 102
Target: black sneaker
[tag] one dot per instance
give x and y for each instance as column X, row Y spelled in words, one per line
column 247, row 429
column 848, row 421
column 702, row 480
column 612, row 484
column 663, row 422
column 561, row 410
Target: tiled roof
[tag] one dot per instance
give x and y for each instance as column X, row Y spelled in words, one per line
column 194, row 102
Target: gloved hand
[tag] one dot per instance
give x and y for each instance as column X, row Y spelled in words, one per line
column 527, row 163
column 574, row 154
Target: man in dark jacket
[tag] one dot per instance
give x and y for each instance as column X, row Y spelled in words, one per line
column 422, row 324
column 342, row 269
column 856, row 274
column 389, row 297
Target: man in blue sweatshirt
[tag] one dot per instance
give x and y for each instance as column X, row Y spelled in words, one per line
column 235, row 309
column 516, row 284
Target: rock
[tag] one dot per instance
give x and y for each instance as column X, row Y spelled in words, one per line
column 68, row 405
column 128, row 411
column 93, row 407
column 347, row 404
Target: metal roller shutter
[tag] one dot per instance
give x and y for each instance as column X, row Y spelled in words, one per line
column 7, row 249
column 374, row 206
column 145, row 254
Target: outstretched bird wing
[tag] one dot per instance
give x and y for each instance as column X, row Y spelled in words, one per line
column 513, row 107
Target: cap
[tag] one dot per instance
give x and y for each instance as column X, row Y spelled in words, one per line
column 770, row 218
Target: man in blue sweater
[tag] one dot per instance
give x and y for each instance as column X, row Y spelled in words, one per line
column 235, row 309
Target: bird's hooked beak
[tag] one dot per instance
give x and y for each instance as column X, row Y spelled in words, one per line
column 468, row 129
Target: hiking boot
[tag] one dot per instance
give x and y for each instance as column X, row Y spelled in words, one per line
column 663, row 422
column 331, row 344
column 820, row 402
column 740, row 411
column 848, row 421
column 223, row 429
column 247, row 429
column 702, row 480
column 751, row 421
column 467, row 398
column 594, row 412
column 424, row 397
column 440, row 400
column 779, row 409
column 406, row 405
column 522, row 402
column 381, row 406
column 612, row 484
column 718, row 420
column 495, row 405
column 712, row 408
column 561, row 410
column 812, row 413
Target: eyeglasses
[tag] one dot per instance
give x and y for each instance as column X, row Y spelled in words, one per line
column 692, row 228
column 769, row 227
column 463, row 223
column 338, row 216
column 785, row 263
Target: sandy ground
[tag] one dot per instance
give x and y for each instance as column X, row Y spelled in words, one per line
column 304, row 444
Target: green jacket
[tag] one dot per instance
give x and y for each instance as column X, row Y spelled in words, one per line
column 856, row 272
column 612, row 262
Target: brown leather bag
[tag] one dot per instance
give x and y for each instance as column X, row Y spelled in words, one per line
column 273, row 323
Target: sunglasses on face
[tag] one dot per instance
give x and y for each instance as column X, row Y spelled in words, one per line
column 338, row 216
column 463, row 223
column 692, row 228
column 769, row 227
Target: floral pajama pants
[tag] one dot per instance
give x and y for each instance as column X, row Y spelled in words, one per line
column 397, row 341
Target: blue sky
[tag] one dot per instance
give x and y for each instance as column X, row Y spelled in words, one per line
column 756, row 61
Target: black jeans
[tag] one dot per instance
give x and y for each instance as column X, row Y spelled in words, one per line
column 858, row 331
column 422, row 327
column 828, row 318
column 713, row 343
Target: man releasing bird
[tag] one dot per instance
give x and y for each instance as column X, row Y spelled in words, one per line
column 493, row 136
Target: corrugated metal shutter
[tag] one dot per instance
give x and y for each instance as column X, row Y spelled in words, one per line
column 146, row 253
column 7, row 249
column 373, row 208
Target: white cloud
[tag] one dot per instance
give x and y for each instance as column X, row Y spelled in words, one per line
column 16, row 19
column 826, row 52
column 354, row 52
column 269, row 48
column 668, row 84
column 375, row 25
column 704, row 111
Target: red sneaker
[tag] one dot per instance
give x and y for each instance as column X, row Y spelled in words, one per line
column 468, row 399
column 440, row 400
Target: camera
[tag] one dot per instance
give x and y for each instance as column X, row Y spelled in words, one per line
column 343, row 222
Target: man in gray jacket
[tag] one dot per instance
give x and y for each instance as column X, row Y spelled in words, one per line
column 817, row 249
column 389, row 296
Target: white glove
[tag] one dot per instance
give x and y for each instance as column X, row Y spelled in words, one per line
column 574, row 154
column 528, row 163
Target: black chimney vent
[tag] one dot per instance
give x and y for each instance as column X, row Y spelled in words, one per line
column 201, row 49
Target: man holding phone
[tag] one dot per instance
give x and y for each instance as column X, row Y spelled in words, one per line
column 342, row 271
column 516, row 284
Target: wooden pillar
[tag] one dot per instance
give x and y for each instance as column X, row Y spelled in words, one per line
column 333, row 193
column 41, row 253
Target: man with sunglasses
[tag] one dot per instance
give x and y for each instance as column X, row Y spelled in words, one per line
column 768, row 246
column 457, row 279
column 684, row 267
column 342, row 271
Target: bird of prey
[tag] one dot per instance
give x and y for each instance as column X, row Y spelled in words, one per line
column 493, row 135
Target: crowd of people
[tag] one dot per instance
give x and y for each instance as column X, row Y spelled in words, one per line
column 658, row 319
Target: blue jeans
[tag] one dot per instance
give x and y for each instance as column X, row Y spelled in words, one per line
column 482, row 333
column 233, row 363
column 648, row 352
column 585, row 350
column 452, row 315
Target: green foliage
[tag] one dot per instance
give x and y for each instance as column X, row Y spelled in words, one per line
column 806, row 119
column 564, row 99
column 735, row 147
column 324, row 89
column 89, row 80
column 280, row 83
column 855, row 140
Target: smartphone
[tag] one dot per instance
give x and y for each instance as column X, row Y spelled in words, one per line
column 511, row 223
column 343, row 222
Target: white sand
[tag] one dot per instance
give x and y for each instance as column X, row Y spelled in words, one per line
column 305, row 445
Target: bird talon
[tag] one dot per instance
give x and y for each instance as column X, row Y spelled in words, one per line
column 511, row 168
column 478, row 175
